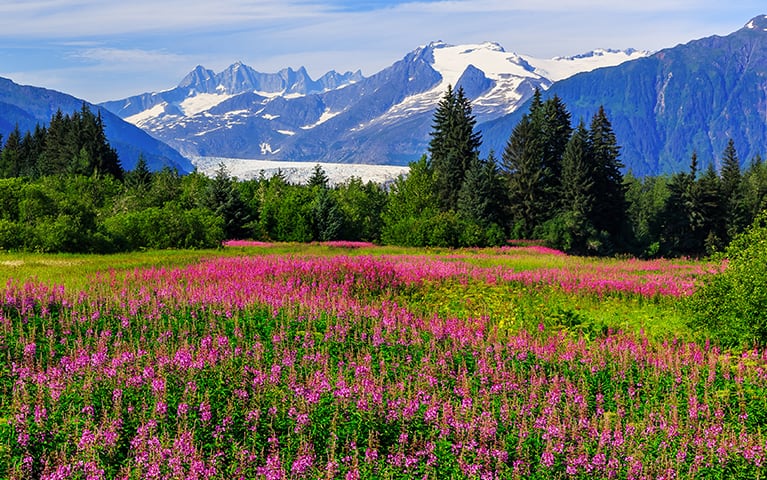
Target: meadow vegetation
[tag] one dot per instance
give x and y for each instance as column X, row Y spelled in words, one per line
column 345, row 360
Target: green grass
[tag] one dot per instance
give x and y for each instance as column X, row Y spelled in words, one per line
column 519, row 307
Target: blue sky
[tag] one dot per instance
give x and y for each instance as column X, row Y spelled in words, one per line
column 110, row 49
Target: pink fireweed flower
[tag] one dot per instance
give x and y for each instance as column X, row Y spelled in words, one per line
column 205, row 414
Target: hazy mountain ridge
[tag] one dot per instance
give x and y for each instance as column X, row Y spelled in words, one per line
column 28, row 106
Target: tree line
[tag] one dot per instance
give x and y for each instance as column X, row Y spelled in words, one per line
column 62, row 188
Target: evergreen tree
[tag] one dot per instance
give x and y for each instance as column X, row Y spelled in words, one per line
column 140, row 177
column 532, row 164
column 755, row 185
column 555, row 131
column 577, row 193
column 77, row 144
column 709, row 223
column 453, row 147
column 225, row 201
column 609, row 212
column 318, row 178
column 481, row 198
column 32, row 146
column 11, row 156
column 733, row 195
column 523, row 173
column 106, row 160
column 54, row 159
column 692, row 216
column 327, row 218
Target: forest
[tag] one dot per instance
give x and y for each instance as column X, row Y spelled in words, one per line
column 63, row 189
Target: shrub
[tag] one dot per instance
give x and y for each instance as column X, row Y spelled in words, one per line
column 731, row 306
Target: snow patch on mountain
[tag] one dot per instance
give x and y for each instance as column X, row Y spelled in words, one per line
column 140, row 119
column 559, row 68
column 326, row 115
column 200, row 102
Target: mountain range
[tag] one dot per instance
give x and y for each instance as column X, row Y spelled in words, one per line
column 346, row 118
column 28, row 106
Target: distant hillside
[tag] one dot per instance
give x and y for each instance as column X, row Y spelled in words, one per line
column 691, row 97
column 28, row 106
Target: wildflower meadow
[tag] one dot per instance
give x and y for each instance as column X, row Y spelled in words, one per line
column 352, row 362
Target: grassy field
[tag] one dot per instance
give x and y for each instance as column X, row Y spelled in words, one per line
column 346, row 360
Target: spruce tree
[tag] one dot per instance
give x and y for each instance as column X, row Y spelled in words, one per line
column 225, row 201
column 318, row 178
column 11, row 155
column 140, row 177
column 609, row 213
column 481, row 198
column 556, row 129
column 755, row 181
column 327, row 217
column 106, row 159
column 711, row 226
column 453, row 147
column 53, row 159
column 733, row 195
column 523, row 173
column 578, row 192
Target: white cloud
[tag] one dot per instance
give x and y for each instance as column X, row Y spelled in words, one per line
column 129, row 57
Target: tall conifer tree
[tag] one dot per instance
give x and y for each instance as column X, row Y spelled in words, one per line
column 733, row 195
column 453, row 147
column 523, row 173
column 578, row 191
column 556, row 129
column 609, row 214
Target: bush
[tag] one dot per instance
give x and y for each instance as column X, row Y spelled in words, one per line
column 731, row 306
column 12, row 235
column 166, row 227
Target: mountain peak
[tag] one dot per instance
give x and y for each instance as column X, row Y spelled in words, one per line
column 758, row 23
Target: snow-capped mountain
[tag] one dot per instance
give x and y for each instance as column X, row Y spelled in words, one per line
column 382, row 119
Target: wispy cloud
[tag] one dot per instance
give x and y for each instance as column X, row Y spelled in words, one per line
column 130, row 58
column 161, row 40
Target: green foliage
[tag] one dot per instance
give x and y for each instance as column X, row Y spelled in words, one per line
column 223, row 198
column 167, row 227
column 362, row 206
column 731, row 306
column 140, row 178
column 646, row 198
column 523, row 172
column 482, row 198
column 412, row 201
column 609, row 210
column 74, row 144
column 327, row 218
